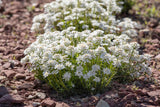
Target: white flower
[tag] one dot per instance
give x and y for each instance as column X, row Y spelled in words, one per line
column 67, row 76
column 59, row 66
column 85, row 27
column 96, row 79
column 68, row 64
column 95, row 67
column 35, row 27
column 25, row 59
column 52, row 62
column 79, row 70
column 45, row 74
column 106, row 71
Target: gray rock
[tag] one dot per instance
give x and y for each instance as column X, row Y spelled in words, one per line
column 41, row 95
column 31, row 97
column 11, row 99
column 26, row 86
column 3, row 91
column 36, row 104
column 102, row 103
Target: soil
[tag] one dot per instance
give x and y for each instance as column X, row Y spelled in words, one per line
column 19, row 88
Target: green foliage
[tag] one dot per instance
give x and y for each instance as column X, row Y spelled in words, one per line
column 126, row 5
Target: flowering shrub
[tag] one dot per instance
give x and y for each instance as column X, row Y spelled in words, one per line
column 82, row 46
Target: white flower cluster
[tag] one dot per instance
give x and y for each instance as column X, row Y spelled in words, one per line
column 82, row 14
column 84, row 55
column 83, row 45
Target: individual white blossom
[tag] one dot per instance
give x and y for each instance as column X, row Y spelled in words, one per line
column 95, row 67
column 67, row 76
column 96, row 79
column 106, row 71
column 59, row 66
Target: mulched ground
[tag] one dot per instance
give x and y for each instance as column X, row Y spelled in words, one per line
column 19, row 88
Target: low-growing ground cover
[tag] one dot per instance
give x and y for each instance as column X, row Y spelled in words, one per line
column 16, row 37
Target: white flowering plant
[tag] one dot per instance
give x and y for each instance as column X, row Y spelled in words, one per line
column 82, row 47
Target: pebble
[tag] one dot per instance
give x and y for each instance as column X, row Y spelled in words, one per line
column 31, row 97
column 9, row 73
column 102, row 103
column 36, row 104
column 11, row 99
column 3, row 91
column 41, row 95
column 20, row 76
column 48, row 102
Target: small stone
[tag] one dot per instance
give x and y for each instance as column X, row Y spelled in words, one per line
column 85, row 99
column 102, row 103
column 157, row 30
column 2, row 49
column 7, row 65
column 154, row 93
column 48, row 102
column 144, row 32
column 3, row 91
column 62, row 105
column 123, row 93
column 11, row 99
column 108, row 96
column 19, row 56
column 111, row 96
column 26, row 86
column 36, row 104
column 2, row 78
column 28, row 78
column 31, row 97
column 141, row 92
column 157, row 57
column 14, row 91
column 155, row 41
column 41, row 95
column 20, row 76
column 153, row 23
column 130, row 97
column 9, row 73
column 17, row 99
column 93, row 99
